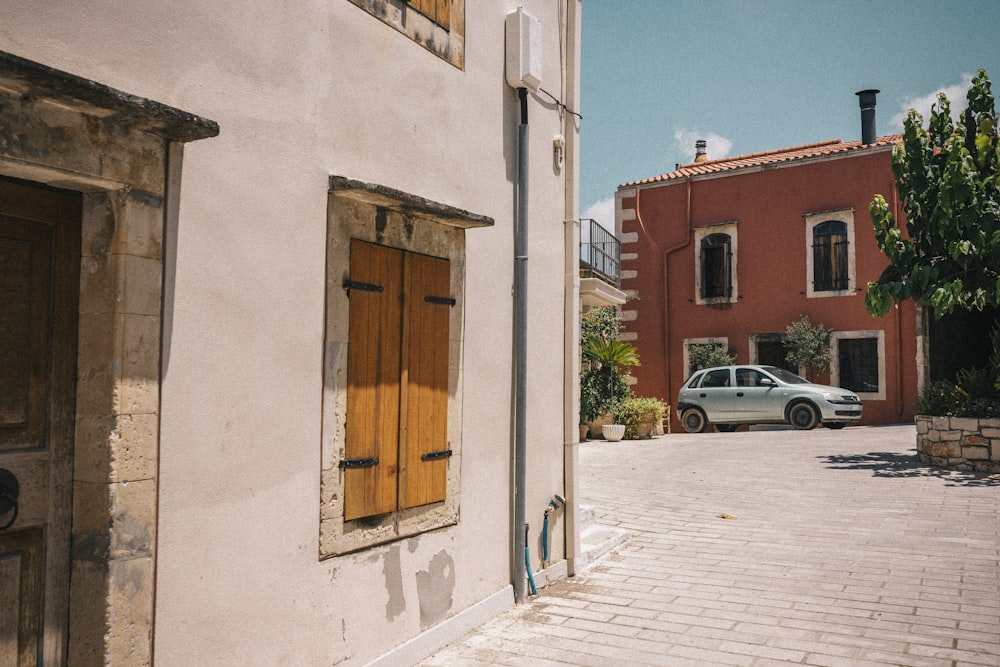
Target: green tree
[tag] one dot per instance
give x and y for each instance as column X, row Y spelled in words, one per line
column 707, row 355
column 808, row 346
column 947, row 177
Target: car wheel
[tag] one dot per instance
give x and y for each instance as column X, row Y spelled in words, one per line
column 835, row 425
column 693, row 420
column 726, row 428
column 803, row 416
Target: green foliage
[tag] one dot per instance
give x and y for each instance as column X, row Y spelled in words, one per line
column 609, row 352
column 948, row 177
column 600, row 323
column 945, row 399
column 974, row 393
column 940, row 398
column 632, row 411
column 808, row 346
column 603, row 385
column 601, row 389
column 706, row 355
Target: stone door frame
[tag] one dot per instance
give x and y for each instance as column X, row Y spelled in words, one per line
column 124, row 154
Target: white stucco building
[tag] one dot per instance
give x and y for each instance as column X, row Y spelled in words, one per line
column 258, row 359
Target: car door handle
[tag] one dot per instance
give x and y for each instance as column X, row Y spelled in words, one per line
column 702, row 395
column 739, row 393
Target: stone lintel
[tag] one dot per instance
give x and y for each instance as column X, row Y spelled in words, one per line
column 406, row 204
column 26, row 77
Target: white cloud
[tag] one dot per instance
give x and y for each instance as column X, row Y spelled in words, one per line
column 717, row 147
column 603, row 212
column 956, row 96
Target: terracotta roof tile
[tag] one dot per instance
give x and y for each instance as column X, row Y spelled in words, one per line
column 765, row 158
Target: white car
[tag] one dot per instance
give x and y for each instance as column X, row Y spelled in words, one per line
column 728, row 396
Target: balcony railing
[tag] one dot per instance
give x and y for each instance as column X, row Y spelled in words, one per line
column 600, row 253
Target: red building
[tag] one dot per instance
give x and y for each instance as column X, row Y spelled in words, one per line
column 732, row 251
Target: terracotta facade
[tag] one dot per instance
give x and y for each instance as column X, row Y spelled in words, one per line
column 768, row 204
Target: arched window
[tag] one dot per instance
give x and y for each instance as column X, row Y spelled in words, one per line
column 830, row 256
column 716, row 266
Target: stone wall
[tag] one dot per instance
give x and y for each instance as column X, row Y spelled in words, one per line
column 959, row 443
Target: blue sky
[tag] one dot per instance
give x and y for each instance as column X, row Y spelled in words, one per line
column 756, row 75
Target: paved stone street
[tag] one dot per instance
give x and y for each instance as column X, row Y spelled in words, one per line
column 769, row 547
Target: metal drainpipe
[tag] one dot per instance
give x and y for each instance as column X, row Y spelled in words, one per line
column 520, row 347
column 571, row 390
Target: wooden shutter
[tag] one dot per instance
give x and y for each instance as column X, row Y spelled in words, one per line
column 424, row 414
column 373, row 376
column 438, row 11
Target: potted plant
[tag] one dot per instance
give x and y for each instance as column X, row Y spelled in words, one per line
column 603, row 357
column 603, row 386
column 639, row 415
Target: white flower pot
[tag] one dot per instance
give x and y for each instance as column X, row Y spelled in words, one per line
column 613, row 432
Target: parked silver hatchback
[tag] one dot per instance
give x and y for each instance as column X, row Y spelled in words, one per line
column 728, row 396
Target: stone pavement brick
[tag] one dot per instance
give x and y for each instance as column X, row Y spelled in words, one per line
column 844, row 552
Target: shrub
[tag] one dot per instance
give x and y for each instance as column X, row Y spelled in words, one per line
column 808, row 346
column 940, row 398
column 945, row 399
column 601, row 389
column 632, row 411
column 707, row 355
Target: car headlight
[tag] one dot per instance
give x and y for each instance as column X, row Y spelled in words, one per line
column 831, row 396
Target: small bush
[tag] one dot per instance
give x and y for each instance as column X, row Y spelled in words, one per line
column 632, row 411
column 940, row 398
column 944, row 399
column 707, row 355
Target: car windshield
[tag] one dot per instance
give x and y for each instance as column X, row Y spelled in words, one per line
column 785, row 376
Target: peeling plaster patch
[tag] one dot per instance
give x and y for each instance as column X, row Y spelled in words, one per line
column 412, row 545
column 434, row 588
column 393, row 573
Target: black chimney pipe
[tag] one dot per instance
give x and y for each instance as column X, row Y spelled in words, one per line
column 866, row 98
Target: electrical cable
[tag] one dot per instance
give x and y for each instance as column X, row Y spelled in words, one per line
column 559, row 103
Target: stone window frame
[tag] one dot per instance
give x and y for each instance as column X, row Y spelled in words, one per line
column 445, row 41
column 688, row 342
column 389, row 217
column 702, row 232
column 812, row 220
column 878, row 334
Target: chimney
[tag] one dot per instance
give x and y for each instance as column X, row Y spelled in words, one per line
column 699, row 151
column 866, row 98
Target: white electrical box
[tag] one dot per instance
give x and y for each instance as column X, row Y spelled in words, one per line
column 524, row 50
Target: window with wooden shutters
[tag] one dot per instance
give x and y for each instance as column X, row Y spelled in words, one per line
column 436, row 25
column 438, row 11
column 830, row 256
column 396, row 450
column 715, row 263
column 830, row 264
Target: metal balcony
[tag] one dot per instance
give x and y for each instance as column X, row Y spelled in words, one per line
column 600, row 253
column 600, row 265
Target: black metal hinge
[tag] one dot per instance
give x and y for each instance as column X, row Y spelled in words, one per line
column 364, row 287
column 434, row 456
column 440, row 300
column 358, row 463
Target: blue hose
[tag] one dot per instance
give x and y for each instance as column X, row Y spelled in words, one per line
column 527, row 563
column 545, row 538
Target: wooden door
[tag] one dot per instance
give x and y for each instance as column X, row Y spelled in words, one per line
column 39, row 293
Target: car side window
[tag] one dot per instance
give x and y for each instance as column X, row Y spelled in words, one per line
column 716, row 378
column 749, row 377
column 694, row 381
